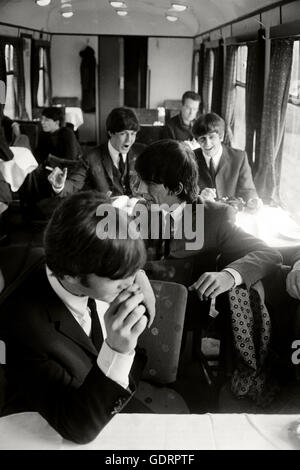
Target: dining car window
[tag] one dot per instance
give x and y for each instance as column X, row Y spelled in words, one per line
column 239, row 126
column 10, row 101
column 290, row 170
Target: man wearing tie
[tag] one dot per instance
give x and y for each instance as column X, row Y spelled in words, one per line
column 223, row 171
column 73, row 326
column 110, row 167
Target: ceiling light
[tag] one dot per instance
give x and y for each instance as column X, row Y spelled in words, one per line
column 66, row 10
column 179, row 7
column 42, row 3
column 122, row 12
column 171, row 18
column 118, row 4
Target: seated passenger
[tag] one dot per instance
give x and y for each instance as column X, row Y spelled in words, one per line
column 169, row 175
column 56, row 139
column 223, row 171
column 71, row 339
column 110, row 167
column 180, row 126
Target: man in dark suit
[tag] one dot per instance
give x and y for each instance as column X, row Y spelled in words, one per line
column 203, row 230
column 223, row 171
column 110, row 167
column 90, row 289
column 180, row 126
column 293, row 278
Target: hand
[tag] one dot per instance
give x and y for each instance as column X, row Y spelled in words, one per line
column 254, row 204
column 125, row 320
column 143, row 282
column 293, row 283
column 208, row 194
column 57, row 178
column 209, row 285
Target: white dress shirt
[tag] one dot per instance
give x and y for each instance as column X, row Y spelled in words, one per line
column 113, row 364
column 215, row 159
column 115, row 155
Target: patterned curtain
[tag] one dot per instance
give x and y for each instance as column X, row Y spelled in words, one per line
column 216, row 101
column 19, row 80
column 254, row 98
column 228, row 95
column 273, row 120
column 207, row 80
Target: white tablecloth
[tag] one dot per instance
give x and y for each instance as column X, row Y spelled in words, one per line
column 16, row 170
column 272, row 224
column 161, row 432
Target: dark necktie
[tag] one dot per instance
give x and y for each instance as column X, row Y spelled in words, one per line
column 212, row 170
column 121, row 165
column 96, row 331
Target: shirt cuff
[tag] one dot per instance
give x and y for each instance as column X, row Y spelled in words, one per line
column 296, row 266
column 116, row 366
column 238, row 280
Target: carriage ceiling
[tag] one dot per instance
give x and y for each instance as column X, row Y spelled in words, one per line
column 144, row 17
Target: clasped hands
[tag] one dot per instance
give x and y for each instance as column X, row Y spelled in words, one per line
column 126, row 317
column 211, row 284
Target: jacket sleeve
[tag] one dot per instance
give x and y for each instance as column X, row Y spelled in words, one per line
column 245, row 186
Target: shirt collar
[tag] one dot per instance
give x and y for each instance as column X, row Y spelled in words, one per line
column 216, row 158
column 74, row 303
column 115, row 155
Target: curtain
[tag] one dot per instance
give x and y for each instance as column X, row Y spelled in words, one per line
column 228, row 95
column 48, row 77
column 216, row 102
column 19, row 81
column 273, row 120
column 254, row 98
column 207, row 80
column 37, row 44
column 2, row 77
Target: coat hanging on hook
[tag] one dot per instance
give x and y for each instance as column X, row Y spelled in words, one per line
column 88, row 79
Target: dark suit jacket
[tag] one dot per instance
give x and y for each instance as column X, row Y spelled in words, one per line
column 51, row 364
column 103, row 176
column 233, row 177
column 175, row 129
column 224, row 244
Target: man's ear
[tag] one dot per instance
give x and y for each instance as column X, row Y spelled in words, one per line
column 179, row 189
column 222, row 134
column 70, row 279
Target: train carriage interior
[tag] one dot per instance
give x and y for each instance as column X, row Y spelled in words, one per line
column 240, row 59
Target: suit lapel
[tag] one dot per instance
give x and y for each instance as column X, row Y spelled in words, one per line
column 64, row 321
column 223, row 165
column 107, row 163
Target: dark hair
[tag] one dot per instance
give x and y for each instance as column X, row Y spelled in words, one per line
column 210, row 122
column 170, row 162
column 55, row 113
column 73, row 248
column 121, row 119
column 192, row 95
